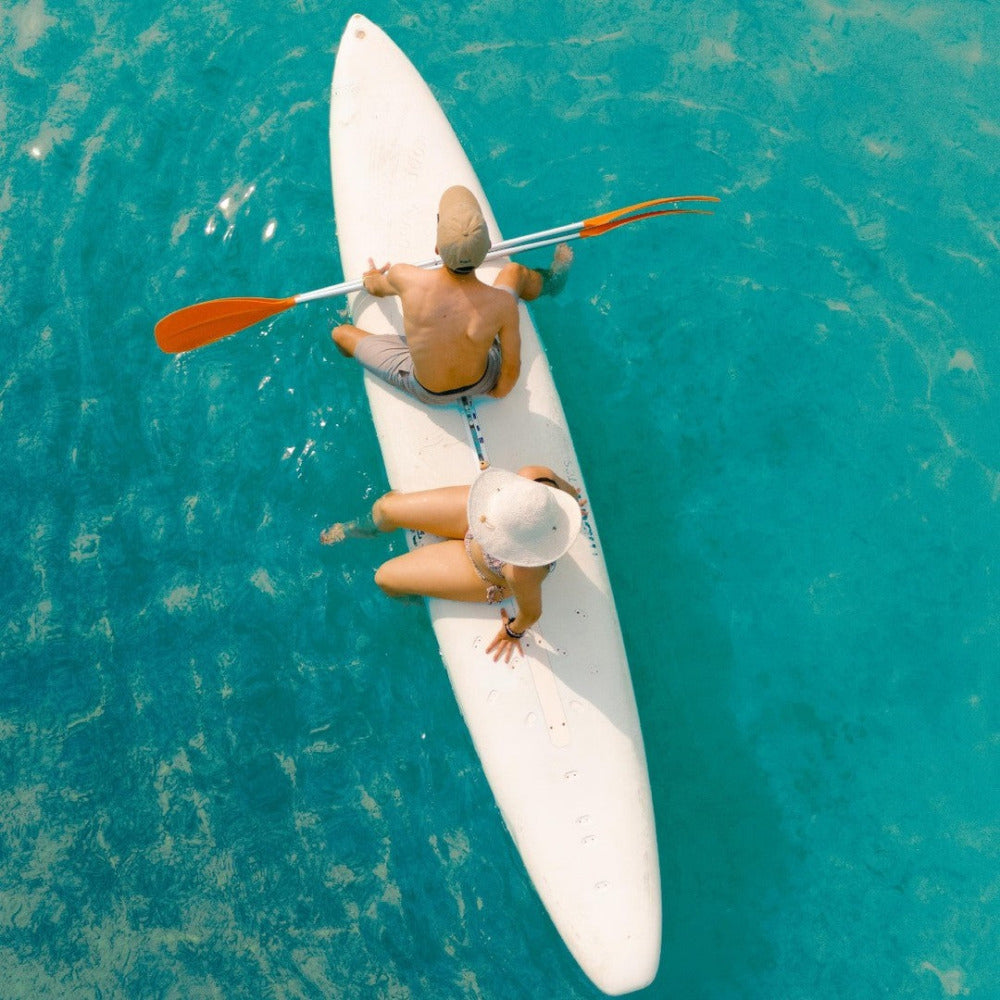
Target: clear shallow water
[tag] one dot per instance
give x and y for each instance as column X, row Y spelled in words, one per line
column 230, row 768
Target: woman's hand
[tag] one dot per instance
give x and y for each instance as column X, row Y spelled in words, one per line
column 504, row 642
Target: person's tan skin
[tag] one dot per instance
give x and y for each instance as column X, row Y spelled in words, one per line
column 443, row 569
column 451, row 320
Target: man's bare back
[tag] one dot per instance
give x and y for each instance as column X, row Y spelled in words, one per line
column 451, row 321
column 460, row 332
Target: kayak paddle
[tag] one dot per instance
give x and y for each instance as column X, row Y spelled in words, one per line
column 205, row 322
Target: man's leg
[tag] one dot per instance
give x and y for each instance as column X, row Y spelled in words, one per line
column 347, row 337
column 528, row 283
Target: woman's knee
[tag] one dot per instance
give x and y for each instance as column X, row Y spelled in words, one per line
column 387, row 580
column 381, row 513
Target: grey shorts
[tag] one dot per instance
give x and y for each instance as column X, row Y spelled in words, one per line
column 387, row 357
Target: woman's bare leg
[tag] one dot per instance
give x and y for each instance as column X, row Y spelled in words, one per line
column 437, row 512
column 440, row 569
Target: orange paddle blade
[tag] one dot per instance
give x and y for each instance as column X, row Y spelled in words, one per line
column 601, row 222
column 200, row 324
column 615, row 223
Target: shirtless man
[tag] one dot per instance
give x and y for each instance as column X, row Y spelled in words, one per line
column 462, row 336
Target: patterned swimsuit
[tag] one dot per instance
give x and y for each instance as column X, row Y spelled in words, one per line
column 494, row 591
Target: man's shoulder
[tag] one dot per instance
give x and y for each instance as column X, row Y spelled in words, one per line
column 503, row 300
column 407, row 272
column 408, row 279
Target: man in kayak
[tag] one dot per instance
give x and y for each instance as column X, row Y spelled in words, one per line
column 462, row 336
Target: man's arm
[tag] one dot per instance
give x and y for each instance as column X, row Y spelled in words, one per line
column 385, row 280
column 510, row 351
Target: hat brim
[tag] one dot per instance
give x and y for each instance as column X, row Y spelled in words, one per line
column 508, row 549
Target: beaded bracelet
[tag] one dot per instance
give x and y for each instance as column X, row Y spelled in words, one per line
column 511, row 634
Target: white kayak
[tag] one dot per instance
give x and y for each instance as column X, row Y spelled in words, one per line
column 558, row 733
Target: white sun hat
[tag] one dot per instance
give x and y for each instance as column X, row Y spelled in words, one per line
column 519, row 521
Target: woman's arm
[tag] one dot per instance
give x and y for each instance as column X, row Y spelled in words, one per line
column 526, row 587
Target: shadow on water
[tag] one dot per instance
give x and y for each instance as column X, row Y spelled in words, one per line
column 718, row 825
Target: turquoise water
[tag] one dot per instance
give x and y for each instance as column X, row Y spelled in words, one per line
column 230, row 768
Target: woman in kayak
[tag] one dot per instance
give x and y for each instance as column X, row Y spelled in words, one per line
column 502, row 536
